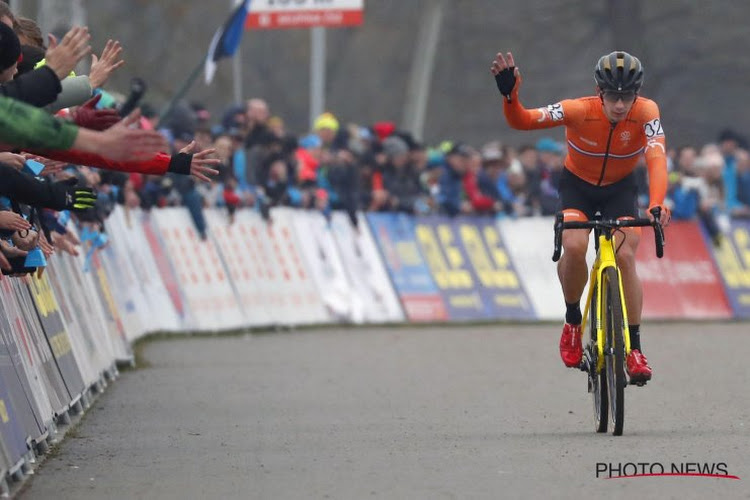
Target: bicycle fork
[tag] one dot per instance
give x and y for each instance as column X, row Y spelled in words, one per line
column 605, row 259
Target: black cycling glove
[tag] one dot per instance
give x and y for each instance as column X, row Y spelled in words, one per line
column 506, row 80
column 68, row 196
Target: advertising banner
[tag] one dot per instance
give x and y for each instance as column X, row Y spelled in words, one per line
column 156, row 250
column 29, row 333
column 420, row 296
column 144, row 287
column 318, row 248
column 241, row 262
column 529, row 242
column 84, row 309
column 733, row 261
column 279, row 247
column 472, row 269
column 685, row 282
column 48, row 313
column 11, row 429
column 365, row 270
column 76, row 322
column 15, row 380
column 276, row 14
column 118, row 339
column 200, row 273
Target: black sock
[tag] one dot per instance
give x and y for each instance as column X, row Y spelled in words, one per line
column 573, row 314
column 635, row 337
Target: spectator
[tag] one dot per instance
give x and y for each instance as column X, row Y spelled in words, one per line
column 481, row 180
column 326, row 126
column 551, row 155
column 451, row 196
column 731, row 144
column 400, row 180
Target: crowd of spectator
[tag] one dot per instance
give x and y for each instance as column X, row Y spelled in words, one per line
column 259, row 162
column 380, row 167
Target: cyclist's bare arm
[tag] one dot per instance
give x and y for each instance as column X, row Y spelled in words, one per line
column 518, row 117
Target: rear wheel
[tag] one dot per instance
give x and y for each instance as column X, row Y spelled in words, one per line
column 598, row 380
column 614, row 348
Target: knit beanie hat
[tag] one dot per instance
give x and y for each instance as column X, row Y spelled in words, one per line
column 10, row 47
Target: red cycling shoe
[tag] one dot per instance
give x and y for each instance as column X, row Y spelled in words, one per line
column 571, row 348
column 638, row 369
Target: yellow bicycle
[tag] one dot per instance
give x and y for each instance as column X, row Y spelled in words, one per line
column 606, row 316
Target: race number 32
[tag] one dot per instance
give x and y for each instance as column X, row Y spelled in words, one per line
column 653, row 128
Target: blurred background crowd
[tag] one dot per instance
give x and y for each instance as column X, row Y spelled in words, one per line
column 266, row 162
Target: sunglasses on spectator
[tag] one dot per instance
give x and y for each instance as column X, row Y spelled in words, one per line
column 613, row 96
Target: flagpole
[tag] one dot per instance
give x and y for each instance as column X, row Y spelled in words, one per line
column 237, row 65
column 317, row 72
column 167, row 110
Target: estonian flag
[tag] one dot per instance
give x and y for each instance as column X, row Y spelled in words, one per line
column 227, row 39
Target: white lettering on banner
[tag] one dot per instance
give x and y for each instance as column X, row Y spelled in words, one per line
column 296, row 5
column 270, row 14
column 680, row 272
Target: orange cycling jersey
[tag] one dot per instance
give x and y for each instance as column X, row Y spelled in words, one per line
column 600, row 152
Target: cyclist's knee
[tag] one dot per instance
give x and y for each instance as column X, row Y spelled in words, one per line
column 575, row 243
column 627, row 249
column 626, row 256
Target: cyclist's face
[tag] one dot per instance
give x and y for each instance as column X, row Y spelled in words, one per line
column 617, row 104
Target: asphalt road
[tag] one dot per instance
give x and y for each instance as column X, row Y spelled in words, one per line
column 454, row 412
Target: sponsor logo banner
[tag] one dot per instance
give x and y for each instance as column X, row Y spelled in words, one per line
column 685, row 282
column 420, row 296
column 733, row 261
column 276, row 14
column 365, row 269
column 59, row 341
column 472, row 269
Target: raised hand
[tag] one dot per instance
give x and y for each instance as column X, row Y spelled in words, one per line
column 506, row 73
column 62, row 57
column 103, row 67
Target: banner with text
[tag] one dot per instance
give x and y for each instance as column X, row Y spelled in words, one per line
column 420, row 296
column 277, row 14
column 685, row 282
column 470, row 266
column 733, row 260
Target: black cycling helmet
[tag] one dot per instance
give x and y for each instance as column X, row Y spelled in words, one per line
column 619, row 71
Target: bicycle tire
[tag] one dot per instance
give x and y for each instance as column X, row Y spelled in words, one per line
column 598, row 379
column 614, row 349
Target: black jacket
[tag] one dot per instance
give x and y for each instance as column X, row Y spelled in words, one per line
column 29, row 190
column 38, row 88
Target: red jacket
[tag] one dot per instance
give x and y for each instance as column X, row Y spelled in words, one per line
column 158, row 165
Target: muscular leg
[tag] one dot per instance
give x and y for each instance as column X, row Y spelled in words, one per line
column 572, row 268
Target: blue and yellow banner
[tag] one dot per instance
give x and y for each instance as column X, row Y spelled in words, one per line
column 733, row 260
column 420, row 296
column 472, row 269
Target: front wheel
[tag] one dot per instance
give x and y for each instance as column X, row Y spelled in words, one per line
column 614, row 348
column 598, row 380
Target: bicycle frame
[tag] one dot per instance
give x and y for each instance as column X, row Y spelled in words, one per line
column 605, row 258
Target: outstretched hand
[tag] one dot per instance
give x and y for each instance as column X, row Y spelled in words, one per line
column 199, row 167
column 62, row 57
column 121, row 142
column 87, row 116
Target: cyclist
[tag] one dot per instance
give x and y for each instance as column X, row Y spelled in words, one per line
column 606, row 133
